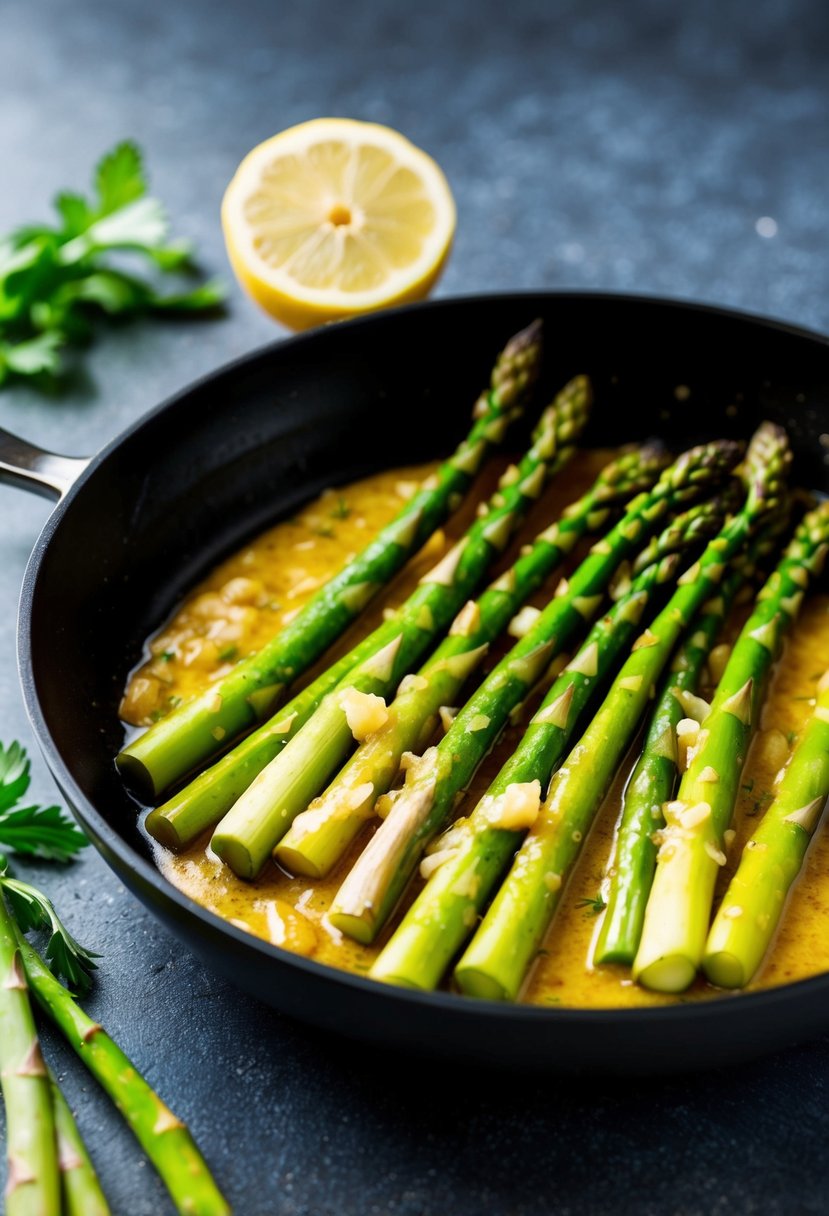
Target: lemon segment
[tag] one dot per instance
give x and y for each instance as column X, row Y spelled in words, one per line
column 335, row 217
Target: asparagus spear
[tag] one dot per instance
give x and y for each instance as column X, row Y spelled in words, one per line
column 320, row 836
column 752, row 906
column 202, row 803
column 33, row 1186
column 249, row 831
column 691, row 850
column 197, row 729
column 654, row 778
column 82, row 1194
column 420, row 809
column 164, row 1138
column 473, row 854
column 652, row 784
column 497, row 959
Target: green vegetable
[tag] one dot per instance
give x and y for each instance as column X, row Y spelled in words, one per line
column 250, row 693
column 34, row 910
column 692, row 847
column 256, row 823
column 82, row 1194
column 652, row 785
column 653, row 780
column 499, row 956
column 476, row 851
column 320, row 836
column 55, row 281
column 426, row 802
column 164, row 1138
column 753, row 904
column 50, row 1173
column 44, row 832
column 33, row 1185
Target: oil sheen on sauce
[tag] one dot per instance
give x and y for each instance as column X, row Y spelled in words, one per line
column 246, row 599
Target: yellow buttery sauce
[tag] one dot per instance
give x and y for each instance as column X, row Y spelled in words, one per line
column 246, row 599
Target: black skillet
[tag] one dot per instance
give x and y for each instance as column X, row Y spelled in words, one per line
column 140, row 522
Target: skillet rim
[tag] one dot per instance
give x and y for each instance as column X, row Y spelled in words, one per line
column 108, row 840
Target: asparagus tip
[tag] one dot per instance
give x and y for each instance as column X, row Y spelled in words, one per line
column 518, row 364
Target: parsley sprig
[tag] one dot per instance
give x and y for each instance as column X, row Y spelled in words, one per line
column 50, row 835
column 34, row 910
column 45, row 832
column 56, row 279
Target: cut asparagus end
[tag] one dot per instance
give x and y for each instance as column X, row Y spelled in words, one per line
column 480, row 984
column 362, row 928
column 673, row 973
column 164, row 829
column 236, row 855
column 615, row 952
column 321, row 836
column 724, row 969
column 299, row 861
column 399, row 981
column 137, row 777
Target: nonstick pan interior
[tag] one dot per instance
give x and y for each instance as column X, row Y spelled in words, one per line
column 246, row 446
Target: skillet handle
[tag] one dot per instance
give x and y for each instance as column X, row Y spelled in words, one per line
column 28, row 467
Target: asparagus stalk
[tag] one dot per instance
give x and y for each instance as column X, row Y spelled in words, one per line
column 474, row 853
column 652, row 784
column 752, row 906
column 496, row 961
column 198, row 729
column 202, row 803
column 82, row 1194
column 654, row 778
column 421, row 808
column 254, row 825
column 33, row 1186
column 692, row 844
column 164, row 1138
column 320, row 836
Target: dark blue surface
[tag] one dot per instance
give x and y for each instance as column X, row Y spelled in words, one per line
column 631, row 146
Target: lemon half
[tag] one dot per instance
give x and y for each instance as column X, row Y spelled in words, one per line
column 336, row 217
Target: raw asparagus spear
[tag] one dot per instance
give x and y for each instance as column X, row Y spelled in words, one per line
column 250, row 693
column 33, row 1186
column 164, row 1138
column 82, row 1194
column 320, row 836
column 691, row 850
column 420, row 810
column 473, row 853
column 497, row 959
column 254, row 825
column 751, row 907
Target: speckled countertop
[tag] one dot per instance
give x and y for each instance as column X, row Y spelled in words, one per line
column 634, row 146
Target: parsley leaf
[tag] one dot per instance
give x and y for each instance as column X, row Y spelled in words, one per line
column 55, row 280
column 44, row 832
column 14, row 774
column 66, row 957
column 41, row 831
column 119, row 177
